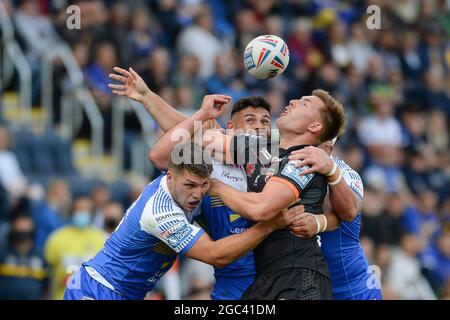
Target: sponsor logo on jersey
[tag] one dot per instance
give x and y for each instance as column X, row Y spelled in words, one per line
column 356, row 185
column 176, row 234
column 166, row 216
column 291, row 171
column 229, row 176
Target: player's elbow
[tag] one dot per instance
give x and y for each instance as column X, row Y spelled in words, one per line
column 219, row 260
column 157, row 160
column 349, row 214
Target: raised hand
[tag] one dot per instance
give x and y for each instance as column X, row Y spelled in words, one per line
column 132, row 85
column 213, row 105
column 317, row 160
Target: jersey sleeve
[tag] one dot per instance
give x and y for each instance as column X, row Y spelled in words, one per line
column 249, row 148
column 354, row 181
column 171, row 226
column 292, row 177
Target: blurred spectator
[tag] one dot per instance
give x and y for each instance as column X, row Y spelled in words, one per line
column 225, row 78
column 339, row 47
column 37, row 30
column 187, row 74
column 359, row 48
column 421, row 219
column 156, row 69
column 143, row 35
column 39, row 36
column 51, row 213
column 105, row 58
column 69, row 246
column 200, row 41
column 113, row 214
column 404, row 273
column 411, row 61
column 23, row 274
column 434, row 93
column 100, row 196
column 302, row 48
column 437, row 132
column 11, row 176
column 185, row 101
column 381, row 134
column 436, row 260
column 247, row 27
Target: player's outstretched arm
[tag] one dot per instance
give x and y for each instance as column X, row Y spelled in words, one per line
column 212, row 107
column 254, row 206
column 345, row 202
column 226, row 250
column 134, row 87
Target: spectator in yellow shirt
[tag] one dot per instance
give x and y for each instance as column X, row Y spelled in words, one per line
column 69, row 246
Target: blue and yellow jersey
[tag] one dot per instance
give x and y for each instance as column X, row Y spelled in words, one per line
column 220, row 221
column 22, row 277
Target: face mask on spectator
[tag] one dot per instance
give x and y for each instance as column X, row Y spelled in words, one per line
column 81, row 219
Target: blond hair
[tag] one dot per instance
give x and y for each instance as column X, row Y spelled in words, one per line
column 333, row 116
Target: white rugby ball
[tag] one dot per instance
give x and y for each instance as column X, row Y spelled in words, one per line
column 266, row 57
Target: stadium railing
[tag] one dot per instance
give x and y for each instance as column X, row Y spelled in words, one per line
column 139, row 148
column 12, row 56
column 76, row 95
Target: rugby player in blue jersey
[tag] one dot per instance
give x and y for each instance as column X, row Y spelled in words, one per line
column 156, row 228
column 351, row 276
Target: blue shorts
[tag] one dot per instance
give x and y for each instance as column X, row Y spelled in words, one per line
column 230, row 288
column 81, row 286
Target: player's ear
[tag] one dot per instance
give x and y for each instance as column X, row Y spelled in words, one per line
column 169, row 178
column 315, row 127
column 230, row 125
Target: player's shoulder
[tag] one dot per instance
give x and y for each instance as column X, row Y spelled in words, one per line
column 351, row 177
column 296, row 174
column 344, row 166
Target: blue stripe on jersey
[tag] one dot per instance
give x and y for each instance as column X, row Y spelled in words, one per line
column 132, row 260
column 190, row 241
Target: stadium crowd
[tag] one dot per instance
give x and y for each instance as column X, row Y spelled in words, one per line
column 394, row 83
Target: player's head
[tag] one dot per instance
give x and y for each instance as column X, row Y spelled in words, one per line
column 251, row 113
column 319, row 116
column 188, row 175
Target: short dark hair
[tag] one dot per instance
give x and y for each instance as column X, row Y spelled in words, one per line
column 253, row 101
column 188, row 155
column 333, row 116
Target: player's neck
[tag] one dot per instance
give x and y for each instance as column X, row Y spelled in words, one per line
column 290, row 139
